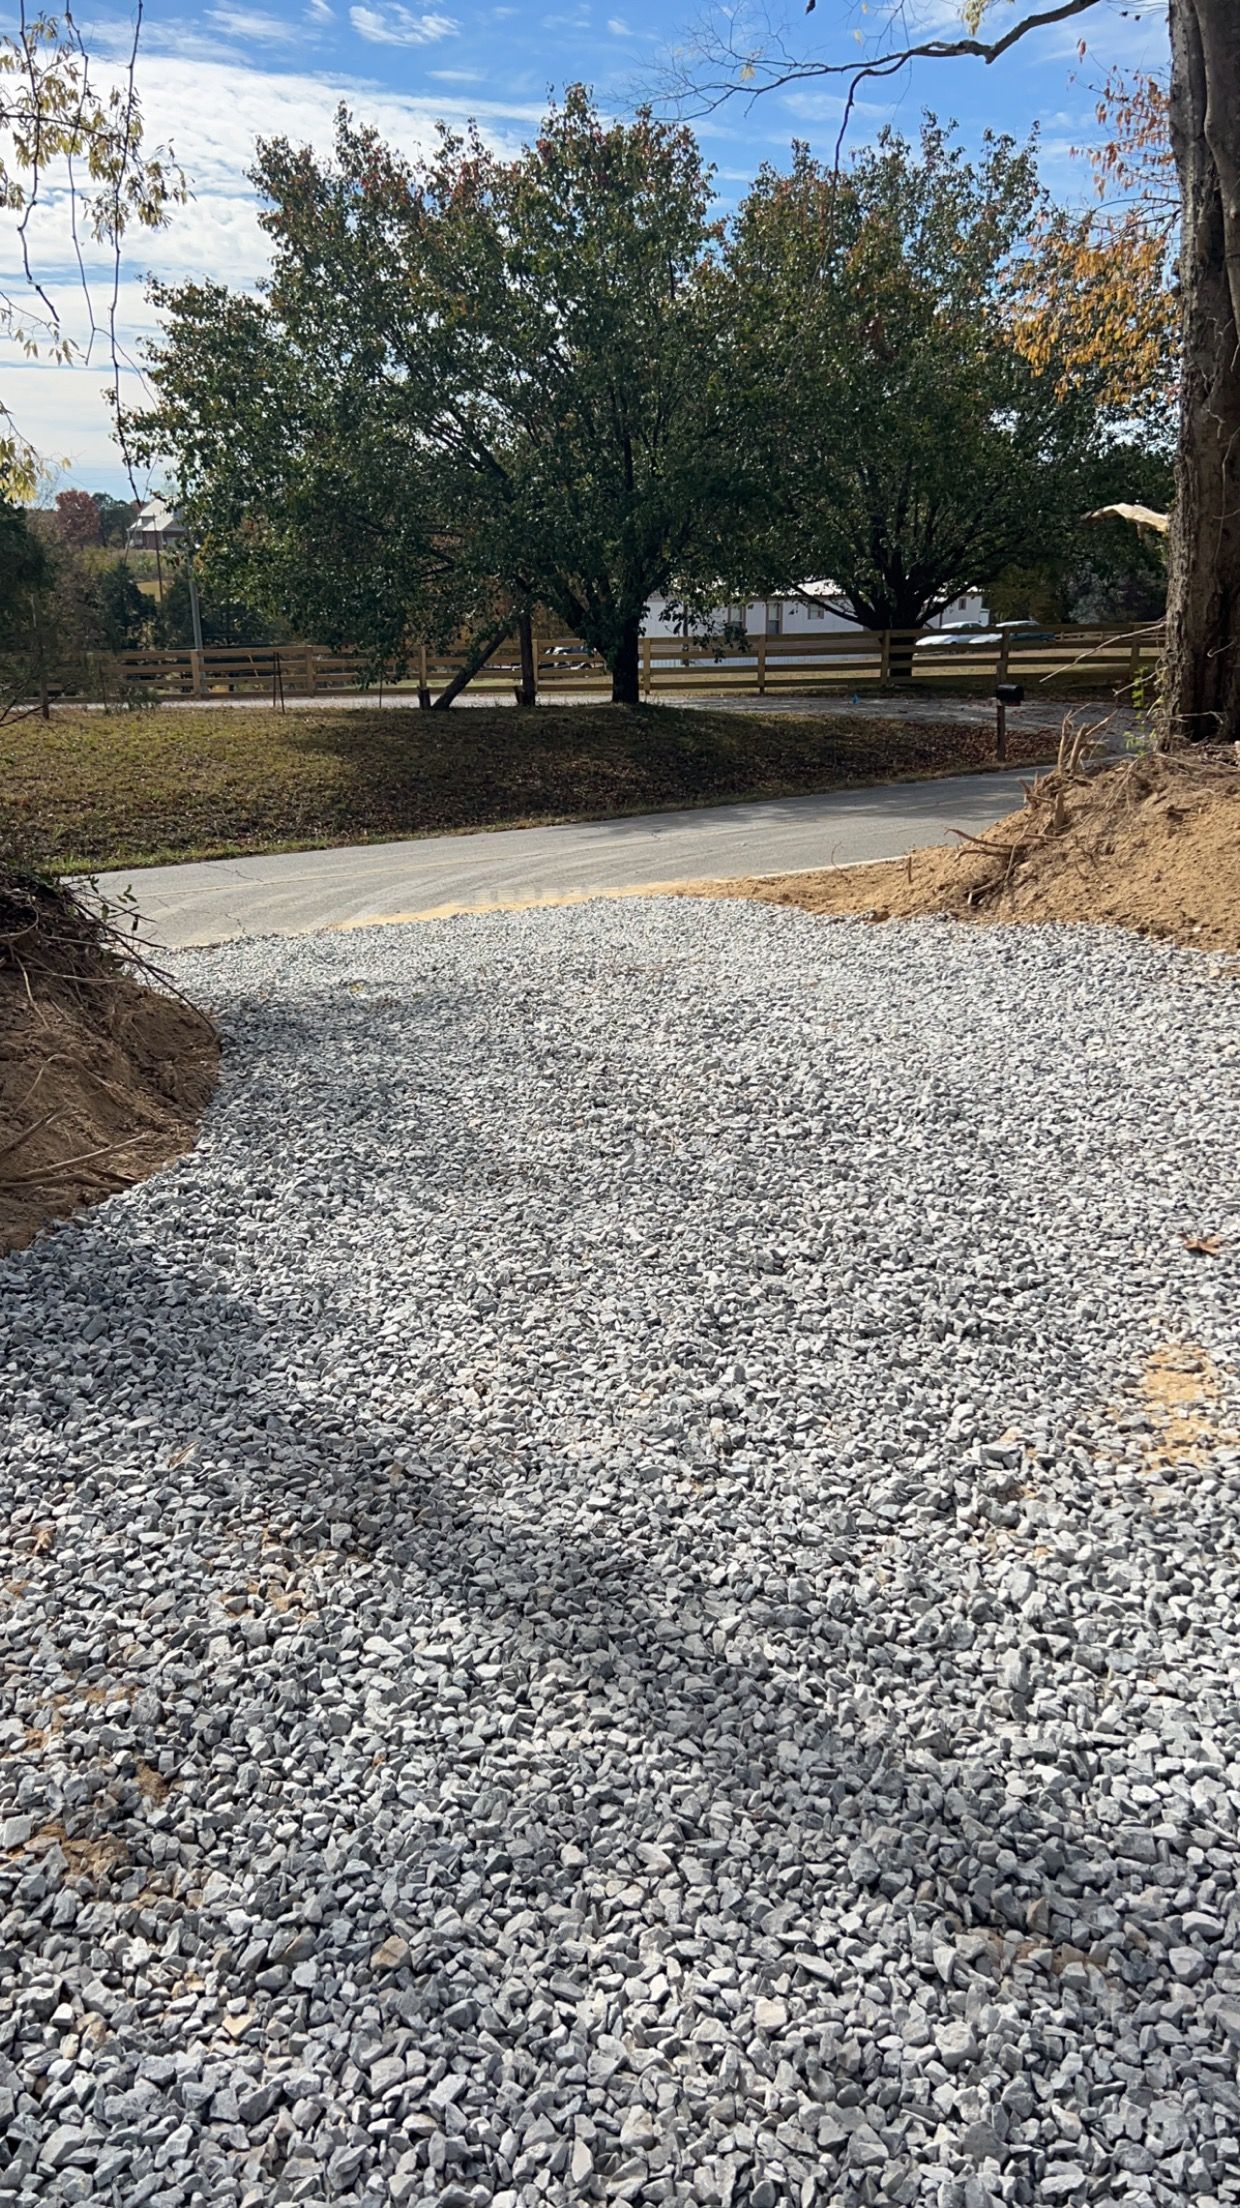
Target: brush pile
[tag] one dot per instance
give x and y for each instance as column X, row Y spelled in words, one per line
column 103, row 1076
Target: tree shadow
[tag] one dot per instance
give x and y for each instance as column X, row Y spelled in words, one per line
column 689, row 1756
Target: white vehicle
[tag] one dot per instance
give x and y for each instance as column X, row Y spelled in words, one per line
column 963, row 633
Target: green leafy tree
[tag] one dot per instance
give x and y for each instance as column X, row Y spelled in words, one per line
column 1201, row 696
column 124, row 610
column 225, row 621
column 51, row 622
column 471, row 386
column 1104, row 570
column 913, row 453
column 25, row 572
column 116, row 517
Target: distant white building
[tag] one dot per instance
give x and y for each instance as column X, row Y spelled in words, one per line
column 156, row 528
column 814, row 610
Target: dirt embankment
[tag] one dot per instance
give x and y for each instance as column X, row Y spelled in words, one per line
column 1151, row 844
column 102, row 1078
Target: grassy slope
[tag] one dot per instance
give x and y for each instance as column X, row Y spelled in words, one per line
column 96, row 790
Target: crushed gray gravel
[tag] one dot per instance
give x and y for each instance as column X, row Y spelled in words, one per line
column 625, row 1588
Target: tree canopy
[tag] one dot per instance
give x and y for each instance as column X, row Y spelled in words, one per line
column 473, row 385
column 470, row 385
column 1096, row 299
column 914, row 451
column 77, row 518
column 1201, row 693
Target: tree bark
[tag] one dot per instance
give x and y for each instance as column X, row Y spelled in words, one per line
column 478, row 657
column 900, row 658
column 527, row 693
column 1202, row 698
column 626, row 666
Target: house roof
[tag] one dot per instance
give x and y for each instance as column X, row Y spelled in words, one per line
column 156, row 513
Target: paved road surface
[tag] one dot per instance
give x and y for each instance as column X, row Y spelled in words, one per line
column 289, row 893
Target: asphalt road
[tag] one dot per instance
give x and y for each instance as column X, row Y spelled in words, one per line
column 293, row 892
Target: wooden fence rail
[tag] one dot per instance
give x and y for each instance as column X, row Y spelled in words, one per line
column 840, row 659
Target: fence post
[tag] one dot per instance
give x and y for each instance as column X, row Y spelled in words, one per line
column 1005, row 652
column 645, row 674
column 424, row 683
column 761, row 641
column 198, row 674
column 884, row 655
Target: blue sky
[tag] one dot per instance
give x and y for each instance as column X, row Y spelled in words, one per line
column 215, row 76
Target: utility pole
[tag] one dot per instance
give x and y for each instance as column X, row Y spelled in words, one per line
column 195, row 610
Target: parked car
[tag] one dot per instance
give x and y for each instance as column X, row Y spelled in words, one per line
column 569, row 658
column 963, row 634
column 958, row 637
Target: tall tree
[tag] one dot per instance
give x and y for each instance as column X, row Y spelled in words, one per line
column 914, row 452
column 124, row 611
column 1202, row 691
column 77, row 519
column 25, row 573
column 494, row 382
column 1203, row 607
column 116, row 516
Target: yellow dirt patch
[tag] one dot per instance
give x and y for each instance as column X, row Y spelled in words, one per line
column 1180, row 1388
column 1151, row 844
column 538, row 902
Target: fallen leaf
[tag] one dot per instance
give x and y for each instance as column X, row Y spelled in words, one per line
column 1202, row 1245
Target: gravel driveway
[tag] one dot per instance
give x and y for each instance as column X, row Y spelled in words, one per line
column 625, row 1588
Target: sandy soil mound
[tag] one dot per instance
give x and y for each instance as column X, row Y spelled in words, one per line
column 102, row 1079
column 1151, row 844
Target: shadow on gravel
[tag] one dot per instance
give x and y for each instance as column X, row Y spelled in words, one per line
column 283, row 1464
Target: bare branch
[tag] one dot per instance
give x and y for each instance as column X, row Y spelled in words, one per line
column 753, row 72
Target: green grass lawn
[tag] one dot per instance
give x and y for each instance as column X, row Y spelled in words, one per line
column 87, row 790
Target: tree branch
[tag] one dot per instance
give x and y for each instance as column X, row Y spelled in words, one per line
column 755, row 74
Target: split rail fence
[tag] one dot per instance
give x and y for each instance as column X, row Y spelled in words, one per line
column 845, row 659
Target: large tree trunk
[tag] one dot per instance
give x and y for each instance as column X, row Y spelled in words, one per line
column 626, row 667
column 900, row 657
column 902, row 621
column 1203, row 611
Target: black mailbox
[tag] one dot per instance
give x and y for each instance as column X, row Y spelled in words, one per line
column 1010, row 693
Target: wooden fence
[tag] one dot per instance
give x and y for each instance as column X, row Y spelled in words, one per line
column 859, row 659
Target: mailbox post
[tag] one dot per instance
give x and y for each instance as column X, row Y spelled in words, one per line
column 1006, row 693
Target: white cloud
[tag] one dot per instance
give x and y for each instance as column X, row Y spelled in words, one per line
column 398, row 26
column 619, row 28
column 186, row 41
column 62, row 411
column 254, row 24
column 213, row 107
column 319, row 12
column 829, row 106
column 456, row 76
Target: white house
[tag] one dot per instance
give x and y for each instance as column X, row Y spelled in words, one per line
column 814, row 611
column 156, row 528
